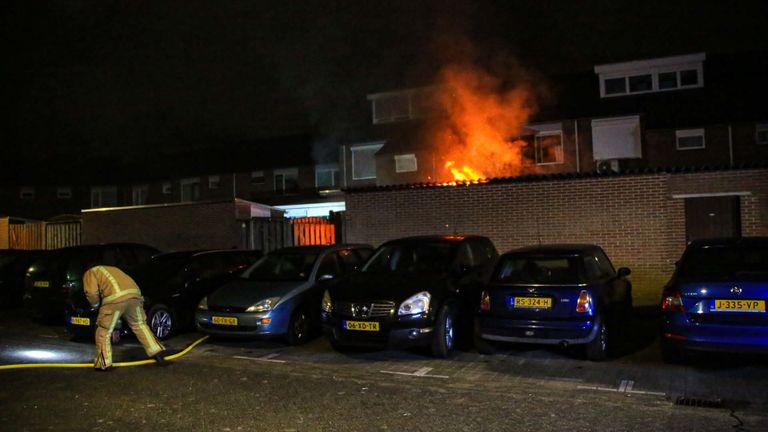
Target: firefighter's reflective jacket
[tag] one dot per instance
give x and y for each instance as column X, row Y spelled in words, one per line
column 106, row 284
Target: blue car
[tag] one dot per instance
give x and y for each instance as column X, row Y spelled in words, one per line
column 280, row 294
column 553, row 295
column 716, row 299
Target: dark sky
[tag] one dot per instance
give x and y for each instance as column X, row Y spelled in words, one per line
column 132, row 81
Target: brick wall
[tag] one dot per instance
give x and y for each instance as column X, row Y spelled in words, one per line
column 635, row 219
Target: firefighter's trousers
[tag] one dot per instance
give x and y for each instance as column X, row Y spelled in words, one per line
column 132, row 313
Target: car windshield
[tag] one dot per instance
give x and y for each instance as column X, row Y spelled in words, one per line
column 434, row 257
column 724, row 263
column 162, row 266
column 282, row 266
column 538, row 270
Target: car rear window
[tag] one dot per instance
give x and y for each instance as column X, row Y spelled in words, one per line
column 537, row 270
column 282, row 266
column 432, row 257
column 725, row 262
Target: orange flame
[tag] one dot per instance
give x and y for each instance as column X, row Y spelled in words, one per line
column 483, row 115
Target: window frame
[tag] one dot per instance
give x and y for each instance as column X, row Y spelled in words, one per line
column 406, row 157
column 256, row 175
column 100, row 190
column 27, row 193
column 214, row 182
column 333, row 169
column 761, row 127
column 357, row 148
column 689, row 133
column 63, row 192
column 139, row 188
column 536, row 147
column 284, row 172
column 187, row 182
column 167, row 188
column 653, row 67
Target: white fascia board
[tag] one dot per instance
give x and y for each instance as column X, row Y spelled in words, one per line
column 641, row 65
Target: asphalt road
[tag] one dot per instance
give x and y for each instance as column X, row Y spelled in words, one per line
column 263, row 385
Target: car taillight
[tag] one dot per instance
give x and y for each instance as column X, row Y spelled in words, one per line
column 672, row 301
column 485, row 301
column 584, row 304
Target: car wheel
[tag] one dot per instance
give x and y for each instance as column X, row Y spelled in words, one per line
column 161, row 321
column 597, row 349
column 443, row 337
column 299, row 327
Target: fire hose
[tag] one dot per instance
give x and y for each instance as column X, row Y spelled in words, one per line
column 184, row 352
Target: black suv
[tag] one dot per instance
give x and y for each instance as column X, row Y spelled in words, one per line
column 412, row 291
column 53, row 285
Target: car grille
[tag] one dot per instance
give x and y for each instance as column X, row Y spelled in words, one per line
column 230, row 309
column 365, row 310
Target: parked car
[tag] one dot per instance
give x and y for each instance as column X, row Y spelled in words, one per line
column 13, row 268
column 174, row 283
column 53, row 286
column 280, row 294
column 716, row 298
column 553, row 294
column 412, row 292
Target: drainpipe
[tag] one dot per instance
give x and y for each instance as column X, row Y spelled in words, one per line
column 730, row 144
column 344, row 163
column 576, row 134
column 234, row 185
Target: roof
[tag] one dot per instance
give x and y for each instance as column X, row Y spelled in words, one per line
column 741, row 241
column 532, row 178
column 555, row 249
column 448, row 238
column 320, row 248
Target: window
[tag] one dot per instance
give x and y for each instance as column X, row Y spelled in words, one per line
column 27, row 193
column 653, row 75
column 761, row 133
column 402, row 105
column 690, row 139
column 549, row 147
column 287, row 180
column 257, row 177
column 167, row 188
column 364, row 161
column 103, row 196
column 405, row 163
column 616, row 138
column 63, row 192
column 213, row 182
column 327, row 176
column 139, row 194
column 190, row 189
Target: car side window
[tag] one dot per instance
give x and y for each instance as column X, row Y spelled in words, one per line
column 464, row 258
column 328, row 266
column 112, row 257
column 482, row 250
column 350, row 261
column 364, row 254
column 592, row 269
column 606, row 268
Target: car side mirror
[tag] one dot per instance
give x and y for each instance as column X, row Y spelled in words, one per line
column 623, row 272
column 326, row 277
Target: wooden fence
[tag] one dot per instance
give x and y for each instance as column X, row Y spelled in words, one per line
column 43, row 235
column 268, row 234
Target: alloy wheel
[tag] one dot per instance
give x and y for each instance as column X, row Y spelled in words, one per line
column 448, row 332
column 161, row 323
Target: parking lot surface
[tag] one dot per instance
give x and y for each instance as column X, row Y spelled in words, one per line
column 266, row 385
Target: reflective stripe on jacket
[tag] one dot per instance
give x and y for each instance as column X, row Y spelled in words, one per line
column 107, row 284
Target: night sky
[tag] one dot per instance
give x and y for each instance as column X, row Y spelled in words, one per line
column 136, row 83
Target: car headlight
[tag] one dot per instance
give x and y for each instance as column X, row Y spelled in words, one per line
column 203, row 305
column 416, row 304
column 327, row 304
column 264, row 305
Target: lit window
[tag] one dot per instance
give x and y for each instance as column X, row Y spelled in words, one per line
column 364, row 161
column 690, row 139
column 167, row 188
column 405, row 163
column 213, row 182
column 287, row 180
column 63, row 192
column 103, row 196
column 549, row 148
column 327, row 176
column 761, row 134
column 190, row 189
column 27, row 193
column 257, row 177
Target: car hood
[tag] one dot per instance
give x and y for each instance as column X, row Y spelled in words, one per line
column 245, row 293
column 386, row 286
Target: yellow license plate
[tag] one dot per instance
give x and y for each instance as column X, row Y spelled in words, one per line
column 42, row 284
column 361, row 325
column 230, row 321
column 80, row 321
column 723, row 305
column 533, row 302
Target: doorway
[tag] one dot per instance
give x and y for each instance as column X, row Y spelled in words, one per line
column 712, row 217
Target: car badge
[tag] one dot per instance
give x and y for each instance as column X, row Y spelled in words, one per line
column 736, row 290
column 530, row 290
column 361, row 311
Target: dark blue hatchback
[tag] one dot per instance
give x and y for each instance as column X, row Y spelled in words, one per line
column 716, row 299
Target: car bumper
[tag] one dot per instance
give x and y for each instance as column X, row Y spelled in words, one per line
column 249, row 324
column 392, row 334
column 536, row 332
column 678, row 331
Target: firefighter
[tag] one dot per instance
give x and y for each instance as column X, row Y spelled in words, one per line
column 117, row 296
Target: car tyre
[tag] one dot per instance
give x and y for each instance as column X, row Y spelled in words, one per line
column 162, row 321
column 443, row 338
column 597, row 348
column 299, row 327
